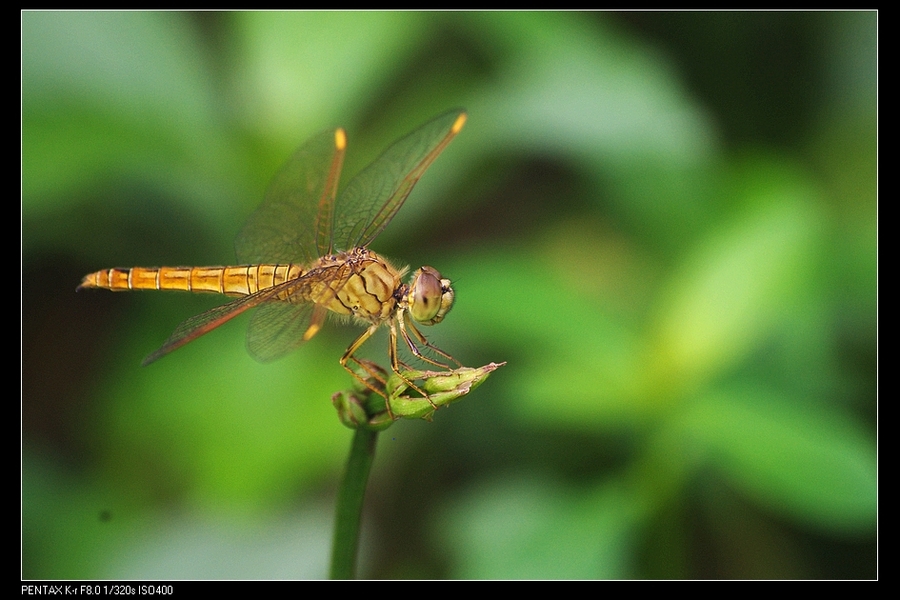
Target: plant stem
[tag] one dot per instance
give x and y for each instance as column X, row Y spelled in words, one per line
column 349, row 504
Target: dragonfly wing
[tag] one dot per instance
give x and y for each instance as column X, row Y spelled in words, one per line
column 279, row 327
column 205, row 322
column 276, row 328
column 293, row 223
column 374, row 196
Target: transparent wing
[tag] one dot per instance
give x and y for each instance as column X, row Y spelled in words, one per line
column 278, row 327
column 293, row 223
column 281, row 322
column 374, row 196
column 205, row 322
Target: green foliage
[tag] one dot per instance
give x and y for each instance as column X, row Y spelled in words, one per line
column 664, row 224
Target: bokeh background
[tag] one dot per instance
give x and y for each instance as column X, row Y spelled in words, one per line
column 664, row 222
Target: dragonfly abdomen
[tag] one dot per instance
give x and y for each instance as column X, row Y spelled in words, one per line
column 231, row 281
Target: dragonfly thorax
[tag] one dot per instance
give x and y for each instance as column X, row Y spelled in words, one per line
column 357, row 283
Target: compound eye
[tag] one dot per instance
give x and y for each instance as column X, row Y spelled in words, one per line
column 430, row 297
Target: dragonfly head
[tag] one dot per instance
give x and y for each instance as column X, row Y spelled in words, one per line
column 430, row 297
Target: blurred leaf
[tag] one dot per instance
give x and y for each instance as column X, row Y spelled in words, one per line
column 318, row 61
column 532, row 529
column 103, row 91
column 746, row 276
column 219, row 427
column 288, row 546
column 805, row 462
column 614, row 98
column 582, row 365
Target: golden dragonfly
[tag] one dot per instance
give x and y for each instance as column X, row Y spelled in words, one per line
column 304, row 253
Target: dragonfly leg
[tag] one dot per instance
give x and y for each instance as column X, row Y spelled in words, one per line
column 421, row 338
column 349, row 355
column 396, row 363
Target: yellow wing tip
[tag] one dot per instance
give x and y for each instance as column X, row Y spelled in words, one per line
column 340, row 139
column 458, row 123
column 312, row 331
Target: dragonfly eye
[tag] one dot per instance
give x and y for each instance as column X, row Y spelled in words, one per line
column 430, row 297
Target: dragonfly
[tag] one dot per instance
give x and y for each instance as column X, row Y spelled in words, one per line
column 304, row 254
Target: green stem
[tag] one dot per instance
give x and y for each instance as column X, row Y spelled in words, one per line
column 350, row 502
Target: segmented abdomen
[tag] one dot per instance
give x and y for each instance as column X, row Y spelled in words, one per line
column 231, row 281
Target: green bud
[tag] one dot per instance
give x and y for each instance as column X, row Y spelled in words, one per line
column 442, row 387
column 362, row 407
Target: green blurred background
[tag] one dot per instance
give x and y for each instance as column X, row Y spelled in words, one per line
column 664, row 222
